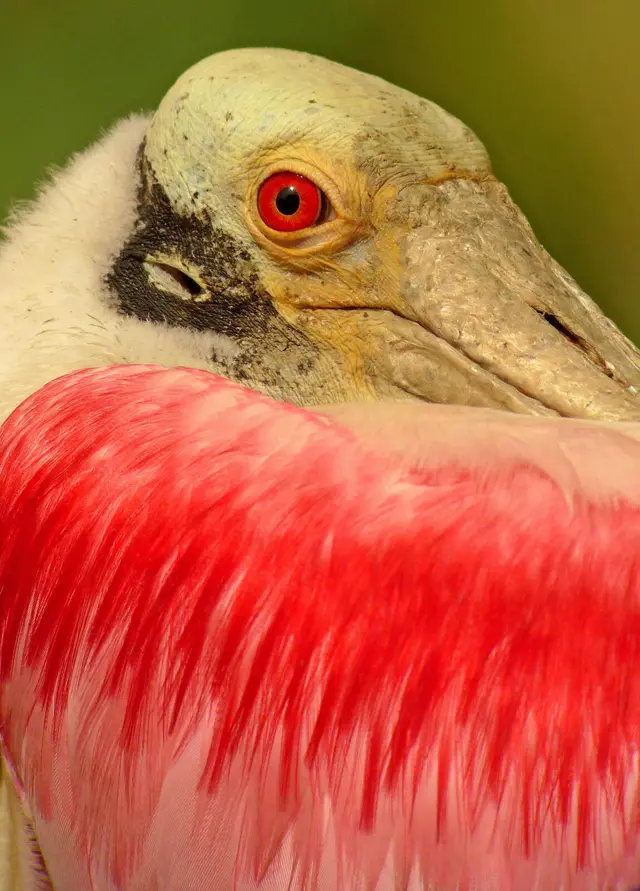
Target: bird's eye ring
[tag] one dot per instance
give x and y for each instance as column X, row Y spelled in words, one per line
column 289, row 202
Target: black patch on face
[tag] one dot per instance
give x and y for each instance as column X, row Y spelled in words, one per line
column 235, row 304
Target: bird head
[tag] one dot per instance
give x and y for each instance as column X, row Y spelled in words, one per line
column 320, row 236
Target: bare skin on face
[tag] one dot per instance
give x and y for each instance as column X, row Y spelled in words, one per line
column 418, row 279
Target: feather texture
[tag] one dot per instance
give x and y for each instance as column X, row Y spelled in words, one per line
column 243, row 645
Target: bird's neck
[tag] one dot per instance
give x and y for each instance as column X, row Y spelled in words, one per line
column 53, row 262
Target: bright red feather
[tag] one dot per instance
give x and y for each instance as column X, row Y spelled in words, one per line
column 239, row 648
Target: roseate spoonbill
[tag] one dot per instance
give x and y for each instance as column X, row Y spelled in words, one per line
column 318, row 236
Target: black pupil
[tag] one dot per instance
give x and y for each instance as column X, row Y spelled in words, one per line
column 288, row 201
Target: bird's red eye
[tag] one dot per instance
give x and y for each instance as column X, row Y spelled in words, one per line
column 288, row 202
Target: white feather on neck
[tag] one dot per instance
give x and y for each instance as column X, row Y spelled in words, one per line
column 56, row 312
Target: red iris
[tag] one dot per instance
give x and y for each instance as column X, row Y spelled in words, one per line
column 288, row 202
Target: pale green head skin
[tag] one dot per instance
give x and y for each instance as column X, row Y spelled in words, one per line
column 239, row 109
column 421, row 281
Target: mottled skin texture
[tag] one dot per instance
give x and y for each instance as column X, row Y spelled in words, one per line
column 423, row 280
column 222, row 292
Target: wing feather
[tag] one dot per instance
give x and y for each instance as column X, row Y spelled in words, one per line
column 246, row 645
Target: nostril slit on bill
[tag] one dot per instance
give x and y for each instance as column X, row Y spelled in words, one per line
column 557, row 324
column 586, row 348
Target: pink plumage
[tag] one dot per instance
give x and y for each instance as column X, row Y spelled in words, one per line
column 245, row 645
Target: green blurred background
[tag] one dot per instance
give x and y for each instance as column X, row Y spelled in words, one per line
column 551, row 86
